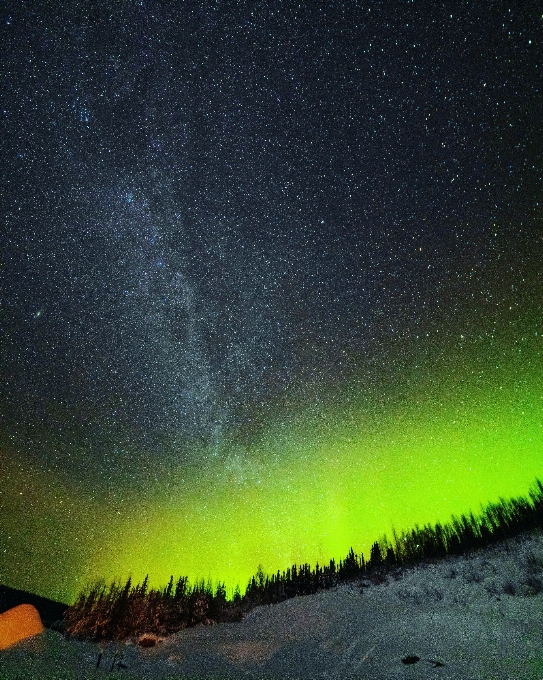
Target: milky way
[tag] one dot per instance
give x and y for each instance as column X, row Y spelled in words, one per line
column 278, row 248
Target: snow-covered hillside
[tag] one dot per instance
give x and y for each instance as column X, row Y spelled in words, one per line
column 475, row 617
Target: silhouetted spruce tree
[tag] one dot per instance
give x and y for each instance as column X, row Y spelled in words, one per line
column 320, row 582
column 168, row 592
column 376, row 559
column 217, row 604
column 309, row 583
column 330, row 574
column 142, row 590
column 390, row 558
column 350, row 567
column 181, row 588
column 118, row 624
column 440, row 550
column 536, row 497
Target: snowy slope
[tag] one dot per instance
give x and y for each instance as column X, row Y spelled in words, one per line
column 474, row 617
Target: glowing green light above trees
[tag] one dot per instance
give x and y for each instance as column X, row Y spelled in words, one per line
column 311, row 486
column 335, row 467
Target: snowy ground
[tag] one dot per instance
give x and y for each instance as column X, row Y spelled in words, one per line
column 469, row 618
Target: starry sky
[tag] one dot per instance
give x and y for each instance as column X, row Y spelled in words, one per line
column 271, row 279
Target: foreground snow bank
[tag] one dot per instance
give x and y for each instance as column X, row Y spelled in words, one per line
column 473, row 617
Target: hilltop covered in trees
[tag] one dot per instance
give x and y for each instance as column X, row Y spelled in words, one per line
column 119, row 612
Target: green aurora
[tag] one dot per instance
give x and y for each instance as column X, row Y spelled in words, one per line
column 338, row 466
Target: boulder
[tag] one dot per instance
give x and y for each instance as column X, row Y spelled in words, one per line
column 19, row 623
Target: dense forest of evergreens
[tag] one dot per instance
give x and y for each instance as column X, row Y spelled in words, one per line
column 119, row 612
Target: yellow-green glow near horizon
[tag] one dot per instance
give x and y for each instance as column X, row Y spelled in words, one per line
column 338, row 478
column 332, row 471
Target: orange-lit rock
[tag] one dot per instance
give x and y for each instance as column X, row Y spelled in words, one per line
column 19, row 623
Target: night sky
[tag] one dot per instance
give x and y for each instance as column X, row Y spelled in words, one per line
column 271, row 279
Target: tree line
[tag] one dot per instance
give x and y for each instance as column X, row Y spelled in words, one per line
column 127, row 611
